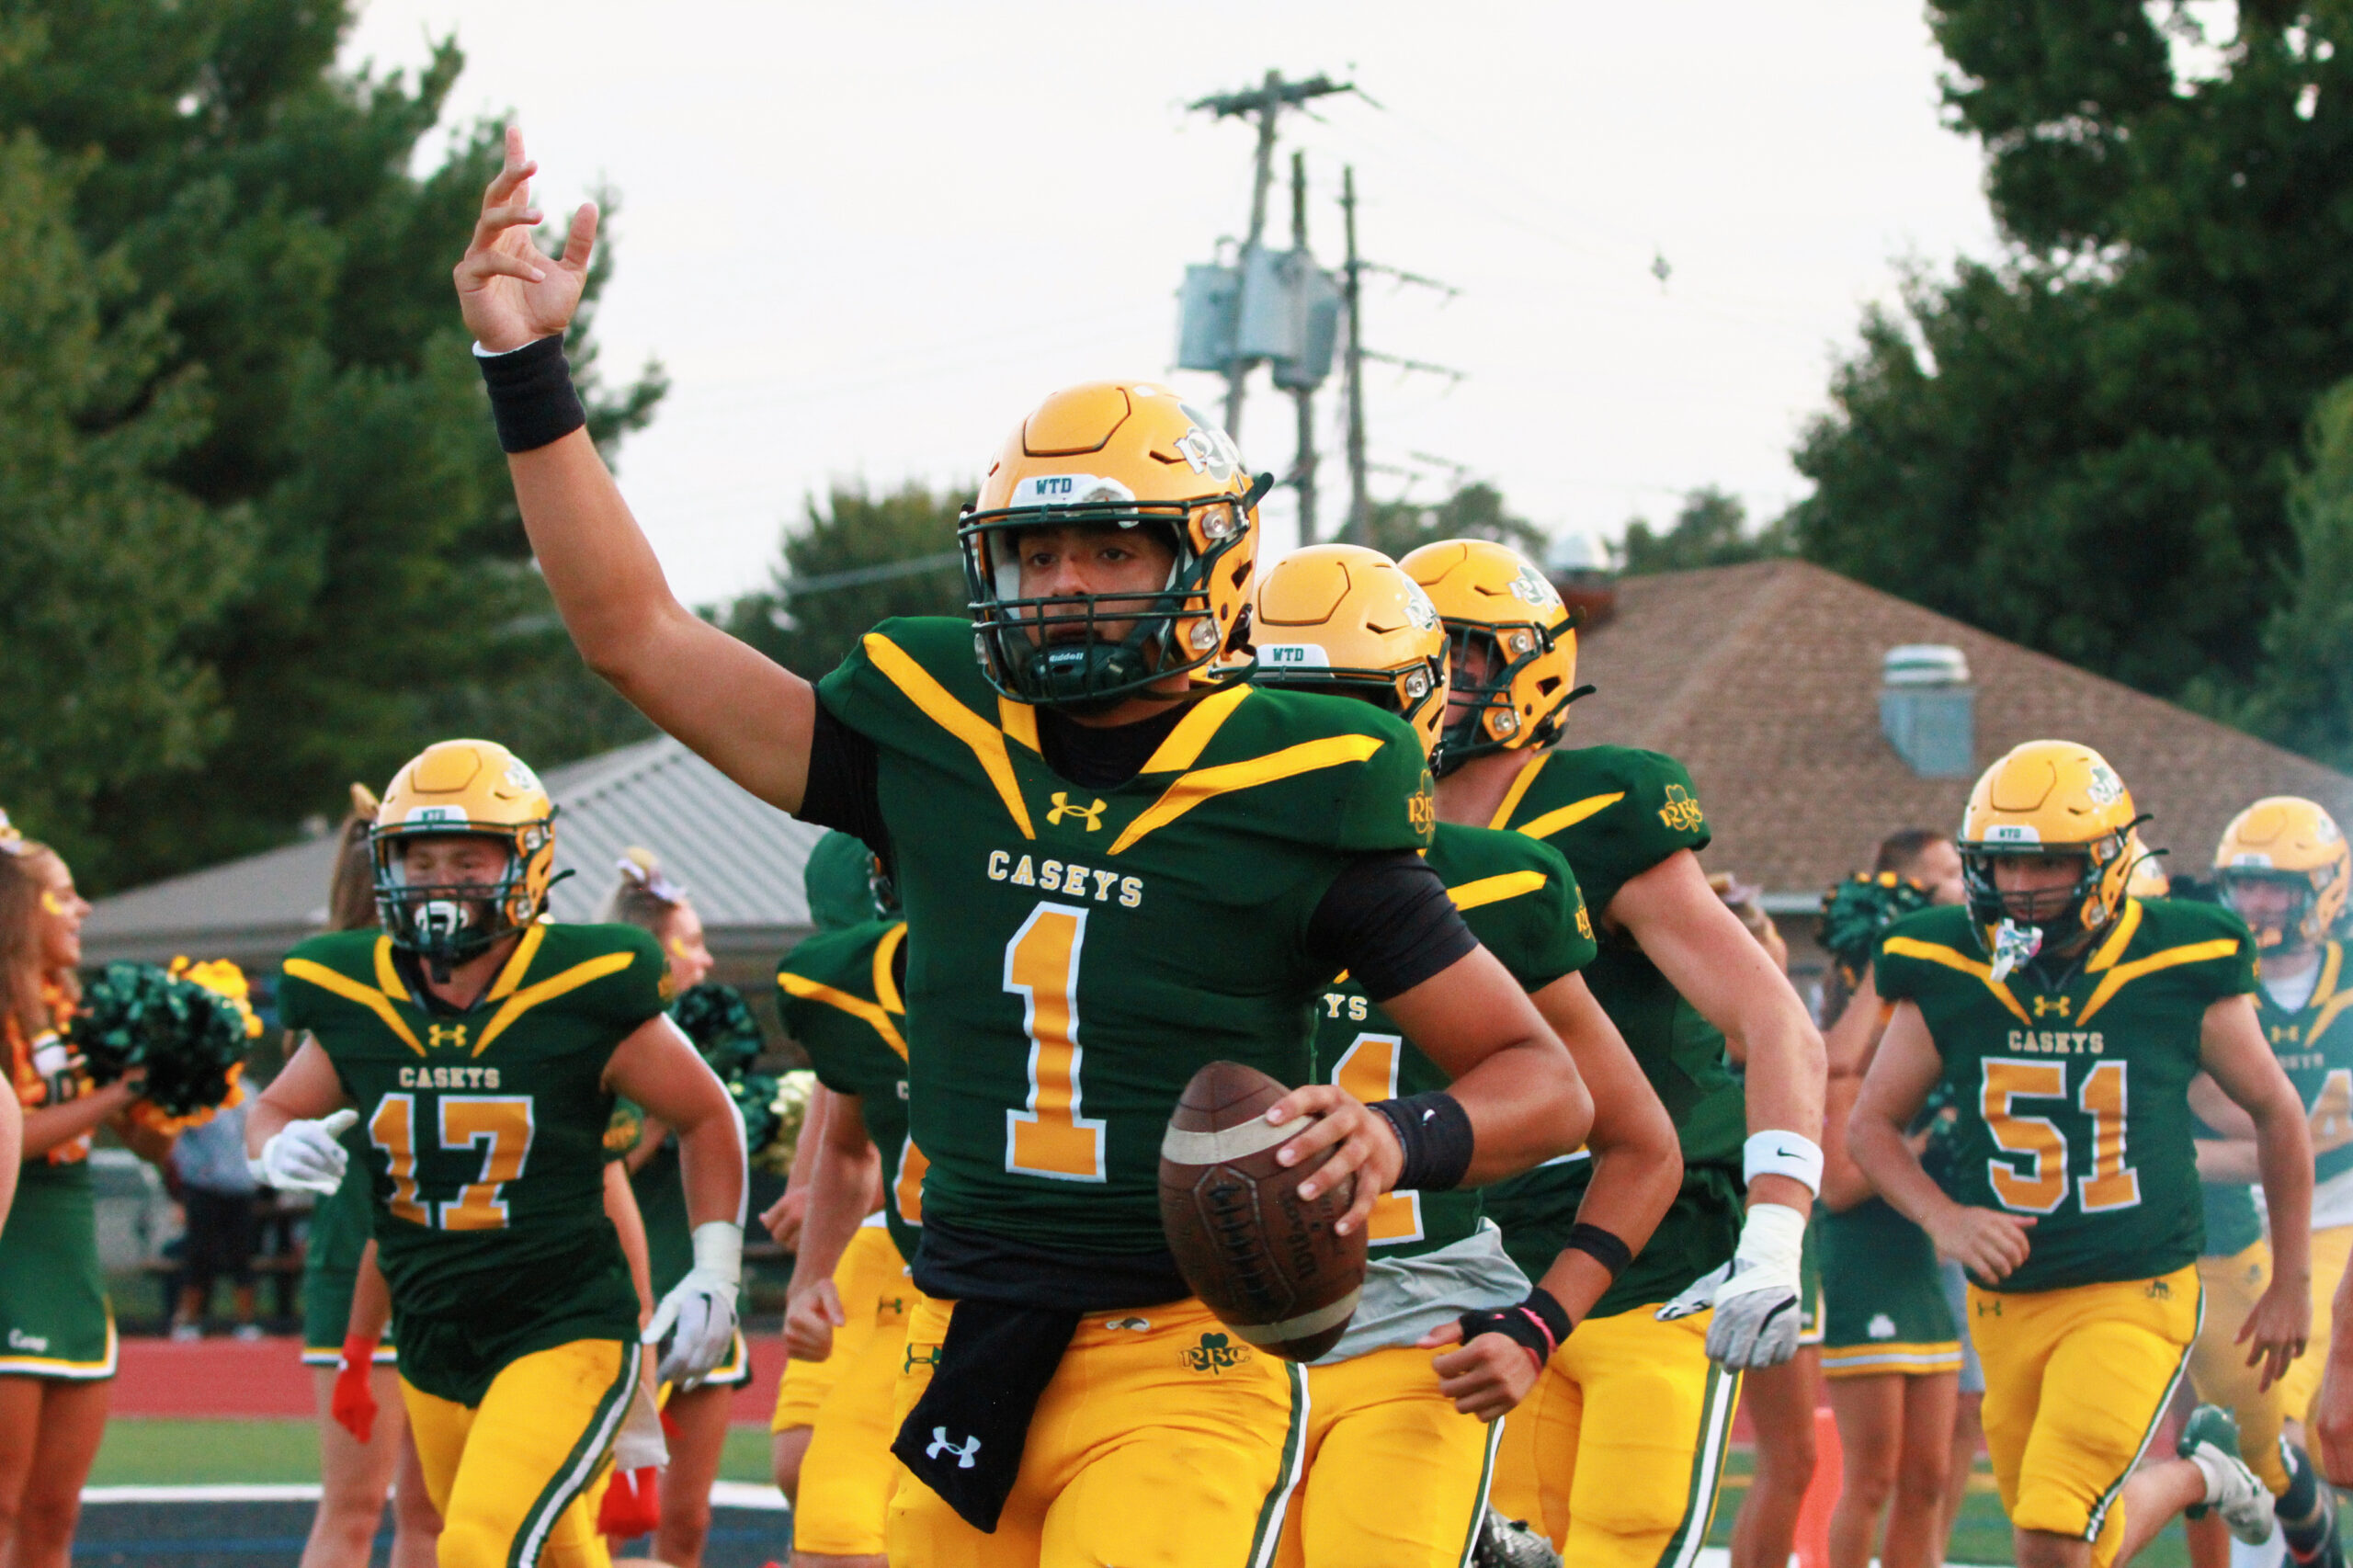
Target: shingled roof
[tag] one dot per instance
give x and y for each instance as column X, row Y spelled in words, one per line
column 740, row 858
column 1765, row 679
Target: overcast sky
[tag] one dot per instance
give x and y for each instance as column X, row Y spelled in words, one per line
column 864, row 239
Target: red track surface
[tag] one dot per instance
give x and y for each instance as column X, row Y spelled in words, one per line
column 224, row 1377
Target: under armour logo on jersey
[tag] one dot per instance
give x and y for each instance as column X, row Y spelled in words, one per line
column 1092, row 815
column 451, row 1035
column 2058, row 1004
column 964, row 1451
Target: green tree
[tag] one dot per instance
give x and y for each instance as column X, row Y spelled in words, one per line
column 1711, row 528
column 2084, row 445
column 105, row 567
column 2304, row 698
column 1474, row 511
column 303, row 273
column 865, row 557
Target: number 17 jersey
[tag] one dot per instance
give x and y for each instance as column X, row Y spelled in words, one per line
column 484, row 1136
column 2073, row 1088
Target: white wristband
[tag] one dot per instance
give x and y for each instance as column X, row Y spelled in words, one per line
column 1790, row 1154
column 719, row 1249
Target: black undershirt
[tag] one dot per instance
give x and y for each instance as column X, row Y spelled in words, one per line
column 1385, row 919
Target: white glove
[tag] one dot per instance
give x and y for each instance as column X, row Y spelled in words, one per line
column 1758, row 1305
column 638, row 1443
column 305, row 1155
column 701, row 1307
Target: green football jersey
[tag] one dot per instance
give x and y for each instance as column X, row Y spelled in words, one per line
column 1615, row 812
column 484, row 1133
column 1520, row 900
column 2314, row 1044
column 2074, row 1089
column 840, row 999
column 1082, row 952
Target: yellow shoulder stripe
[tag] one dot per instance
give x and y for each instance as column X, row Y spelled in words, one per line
column 1203, row 784
column 985, row 739
column 2124, row 975
column 2332, row 960
column 1952, row 958
column 388, row 977
column 1517, row 792
column 886, row 989
column 2118, row 940
column 865, row 1012
column 1018, row 719
column 2329, row 1011
column 1569, row 815
column 351, row 990
column 531, row 996
column 1184, row 743
column 1495, row 889
column 519, row 965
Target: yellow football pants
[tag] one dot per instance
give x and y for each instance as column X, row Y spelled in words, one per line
column 869, row 1273
column 1617, row 1452
column 2075, row 1382
column 511, row 1476
column 1396, row 1476
column 848, row 1474
column 2218, row 1369
column 2331, row 1247
column 1160, row 1442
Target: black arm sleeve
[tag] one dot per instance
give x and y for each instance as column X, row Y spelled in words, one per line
column 842, row 791
column 1387, row 921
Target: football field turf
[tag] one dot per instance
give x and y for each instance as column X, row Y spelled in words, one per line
column 166, row 1452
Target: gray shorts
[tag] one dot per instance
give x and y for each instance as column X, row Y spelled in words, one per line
column 1956, row 1283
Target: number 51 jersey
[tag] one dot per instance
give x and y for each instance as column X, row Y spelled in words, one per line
column 484, row 1137
column 2075, row 1093
column 1075, row 955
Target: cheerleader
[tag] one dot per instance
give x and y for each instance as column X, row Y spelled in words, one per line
column 57, row 1332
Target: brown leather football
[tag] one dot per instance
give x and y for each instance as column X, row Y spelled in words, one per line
column 1269, row 1266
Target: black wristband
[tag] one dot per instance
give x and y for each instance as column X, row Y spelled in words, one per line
column 531, row 395
column 1435, row 1131
column 1603, row 1245
column 1540, row 1322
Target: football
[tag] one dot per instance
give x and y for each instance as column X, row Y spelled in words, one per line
column 1267, row 1264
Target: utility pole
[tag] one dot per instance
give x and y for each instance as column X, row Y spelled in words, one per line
column 1266, row 104
column 1302, row 398
column 1352, row 290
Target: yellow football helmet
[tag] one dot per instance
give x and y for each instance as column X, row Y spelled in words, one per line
column 2285, row 838
column 475, row 788
column 1114, row 455
column 1343, row 619
column 2049, row 798
column 1502, row 616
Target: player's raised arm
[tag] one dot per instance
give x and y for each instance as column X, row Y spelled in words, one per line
column 2236, row 1056
column 1987, row 1244
column 743, row 713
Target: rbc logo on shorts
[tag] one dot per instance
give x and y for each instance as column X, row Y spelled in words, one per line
column 1213, row 1355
